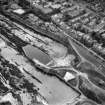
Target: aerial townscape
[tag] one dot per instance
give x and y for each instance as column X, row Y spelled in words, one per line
column 52, row 52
